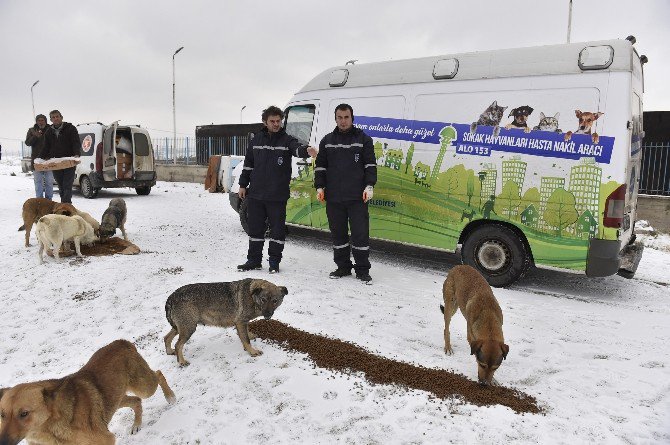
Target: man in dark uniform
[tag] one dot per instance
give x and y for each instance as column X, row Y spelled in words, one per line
column 345, row 173
column 61, row 140
column 267, row 166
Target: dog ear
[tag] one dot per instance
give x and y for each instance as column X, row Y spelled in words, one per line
column 505, row 350
column 530, row 109
column 283, row 290
column 2, row 392
column 597, row 115
column 475, row 346
column 256, row 295
column 578, row 114
column 511, row 113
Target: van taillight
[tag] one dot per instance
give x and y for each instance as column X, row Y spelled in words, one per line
column 614, row 206
column 98, row 158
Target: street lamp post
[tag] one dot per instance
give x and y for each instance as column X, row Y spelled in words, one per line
column 33, row 97
column 174, row 112
column 241, row 110
column 569, row 20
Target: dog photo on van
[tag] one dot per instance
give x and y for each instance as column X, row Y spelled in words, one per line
column 587, row 120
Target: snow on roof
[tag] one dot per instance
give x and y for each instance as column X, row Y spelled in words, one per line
column 531, row 61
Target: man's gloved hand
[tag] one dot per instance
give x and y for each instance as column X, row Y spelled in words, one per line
column 367, row 193
column 242, row 192
column 321, row 195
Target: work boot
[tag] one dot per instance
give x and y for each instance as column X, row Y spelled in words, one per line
column 248, row 266
column 340, row 272
column 364, row 277
column 274, row 266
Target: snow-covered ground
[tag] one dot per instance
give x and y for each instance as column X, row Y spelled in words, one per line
column 594, row 352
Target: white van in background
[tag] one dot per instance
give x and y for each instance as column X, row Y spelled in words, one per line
column 114, row 156
column 527, row 156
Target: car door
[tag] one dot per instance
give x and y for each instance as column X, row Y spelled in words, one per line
column 109, row 152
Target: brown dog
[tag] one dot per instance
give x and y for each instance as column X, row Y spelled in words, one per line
column 35, row 208
column 220, row 304
column 76, row 409
column 586, row 121
column 466, row 288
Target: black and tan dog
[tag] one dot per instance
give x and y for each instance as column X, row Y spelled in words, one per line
column 520, row 120
column 76, row 409
column 114, row 218
column 229, row 304
column 35, row 208
column 466, row 288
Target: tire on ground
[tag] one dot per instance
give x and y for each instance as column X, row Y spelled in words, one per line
column 87, row 189
column 498, row 253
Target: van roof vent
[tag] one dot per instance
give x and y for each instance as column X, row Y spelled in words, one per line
column 596, row 57
column 338, row 77
column 445, row 69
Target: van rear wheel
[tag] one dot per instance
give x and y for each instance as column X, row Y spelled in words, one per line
column 87, row 189
column 143, row 191
column 497, row 253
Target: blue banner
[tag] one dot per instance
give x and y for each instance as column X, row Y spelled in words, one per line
column 482, row 142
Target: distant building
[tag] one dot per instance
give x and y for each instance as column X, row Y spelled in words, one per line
column 488, row 177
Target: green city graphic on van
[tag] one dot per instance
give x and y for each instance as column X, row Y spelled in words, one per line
column 429, row 191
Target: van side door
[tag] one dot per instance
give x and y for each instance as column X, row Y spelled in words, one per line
column 109, row 152
column 300, row 122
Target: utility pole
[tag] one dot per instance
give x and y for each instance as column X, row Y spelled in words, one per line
column 33, row 97
column 174, row 111
column 569, row 20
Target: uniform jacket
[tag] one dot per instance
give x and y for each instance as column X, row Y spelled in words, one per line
column 267, row 165
column 345, row 165
column 61, row 143
column 35, row 142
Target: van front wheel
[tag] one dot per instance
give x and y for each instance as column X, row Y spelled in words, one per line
column 497, row 253
column 143, row 191
column 87, row 189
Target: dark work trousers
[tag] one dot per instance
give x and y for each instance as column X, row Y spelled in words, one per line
column 257, row 212
column 65, row 178
column 341, row 217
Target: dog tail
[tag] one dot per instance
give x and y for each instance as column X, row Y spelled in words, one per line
column 168, row 311
column 22, row 228
column 442, row 308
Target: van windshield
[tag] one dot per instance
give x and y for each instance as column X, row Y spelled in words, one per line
column 299, row 121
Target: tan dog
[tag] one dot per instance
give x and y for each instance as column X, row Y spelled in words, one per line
column 35, row 208
column 76, row 409
column 586, row 122
column 89, row 219
column 466, row 288
column 219, row 304
column 54, row 230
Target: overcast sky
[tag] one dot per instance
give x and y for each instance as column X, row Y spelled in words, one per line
column 109, row 60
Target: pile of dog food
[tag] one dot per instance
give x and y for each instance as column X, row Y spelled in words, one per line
column 340, row 356
column 111, row 246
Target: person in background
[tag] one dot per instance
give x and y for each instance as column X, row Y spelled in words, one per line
column 61, row 140
column 44, row 180
column 267, row 168
column 345, row 174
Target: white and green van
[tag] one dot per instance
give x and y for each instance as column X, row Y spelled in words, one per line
column 454, row 170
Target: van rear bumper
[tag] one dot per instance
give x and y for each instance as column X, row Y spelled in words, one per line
column 604, row 258
column 97, row 181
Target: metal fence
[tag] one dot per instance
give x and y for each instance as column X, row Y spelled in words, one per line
column 196, row 151
column 655, row 174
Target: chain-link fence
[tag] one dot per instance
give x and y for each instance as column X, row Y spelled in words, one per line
column 655, row 174
column 196, row 151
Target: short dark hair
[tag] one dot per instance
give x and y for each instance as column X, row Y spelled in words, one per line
column 52, row 112
column 272, row 111
column 345, row 107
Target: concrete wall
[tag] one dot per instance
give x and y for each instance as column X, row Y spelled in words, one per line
column 181, row 173
column 656, row 210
